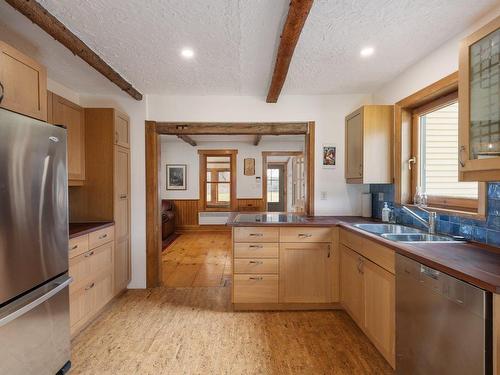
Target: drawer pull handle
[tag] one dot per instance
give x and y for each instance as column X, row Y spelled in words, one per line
column 305, row 235
column 103, row 236
column 74, row 247
column 89, row 254
column 255, row 246
column 256, row 262
column 256, row 234
column 90, row 286
column 256, row 278
column 123, row 196
column 360, row 266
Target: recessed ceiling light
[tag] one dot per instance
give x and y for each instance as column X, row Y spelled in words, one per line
column 367, row 51
column 187, row 53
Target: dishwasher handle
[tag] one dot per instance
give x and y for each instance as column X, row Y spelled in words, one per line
column 429, row 272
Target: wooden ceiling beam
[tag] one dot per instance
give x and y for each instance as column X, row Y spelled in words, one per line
column 257, row 139
column 55, row 28
column 215, row 128
column 295, row 20
column 187, row 139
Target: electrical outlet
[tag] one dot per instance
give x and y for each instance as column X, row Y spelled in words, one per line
column 380, row 197
column 324, row 196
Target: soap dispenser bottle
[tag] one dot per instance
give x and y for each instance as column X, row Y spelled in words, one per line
column 386, row 213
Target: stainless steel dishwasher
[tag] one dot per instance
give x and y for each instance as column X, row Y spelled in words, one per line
column 443, row 325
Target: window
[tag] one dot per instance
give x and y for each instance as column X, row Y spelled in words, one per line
column 217, row 186
column 435, row 148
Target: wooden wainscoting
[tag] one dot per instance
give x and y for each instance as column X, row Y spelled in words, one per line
column 250, row 204
column 186, row 217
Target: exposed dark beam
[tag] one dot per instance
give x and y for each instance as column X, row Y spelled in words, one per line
column 257, row 139
column 187, row 139
column 55, row 28
column 295, row 20
column 216, row 128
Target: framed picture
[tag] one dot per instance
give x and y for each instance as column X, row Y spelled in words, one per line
column 176, row 176
column 249, row 167
column 329, row 156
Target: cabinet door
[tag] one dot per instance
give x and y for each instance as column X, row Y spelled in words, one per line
column 306, row 273
column 24, row 82
column 80, row 307
column 122, row 130
column 122, row 265
column 479, row 105
column 351, row 284
column 379, row 297
column 122, row 194
column 354, row 147
column 64, row 112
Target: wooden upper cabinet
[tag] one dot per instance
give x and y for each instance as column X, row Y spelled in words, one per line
column 122, row 130
column 306, row 273
column 479, row 104
column 24, row 83
column 72, row 116
column 368, row 140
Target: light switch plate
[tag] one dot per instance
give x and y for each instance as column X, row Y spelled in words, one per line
column 380, row 197
column 324, row 196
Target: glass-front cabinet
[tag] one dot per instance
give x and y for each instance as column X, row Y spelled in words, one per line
column 479, row 105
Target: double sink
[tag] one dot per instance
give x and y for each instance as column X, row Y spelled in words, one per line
column 401, row 233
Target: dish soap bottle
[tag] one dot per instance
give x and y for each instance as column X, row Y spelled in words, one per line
column 386, row 213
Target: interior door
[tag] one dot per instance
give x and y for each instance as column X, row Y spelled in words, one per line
column 276, row 182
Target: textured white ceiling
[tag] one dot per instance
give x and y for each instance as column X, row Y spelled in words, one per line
column 235, row 42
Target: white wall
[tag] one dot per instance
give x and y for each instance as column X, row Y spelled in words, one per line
column 328, row 111
column 178, row 152
column 438, row 64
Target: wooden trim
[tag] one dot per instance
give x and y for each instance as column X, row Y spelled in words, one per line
column 233, row 206
column 295, row 20
column 229, row 128
column 310, row 153
column 187, row 139
column 153, row 204
column 55, row 28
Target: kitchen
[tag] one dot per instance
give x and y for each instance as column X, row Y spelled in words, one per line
column 318, row 265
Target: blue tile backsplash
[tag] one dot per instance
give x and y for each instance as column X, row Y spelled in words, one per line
column 487, row 231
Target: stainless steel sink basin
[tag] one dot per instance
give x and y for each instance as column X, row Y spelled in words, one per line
column 387, row 228
column 419, row 237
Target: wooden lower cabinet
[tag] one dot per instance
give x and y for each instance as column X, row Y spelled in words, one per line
column 91, row 265
column 351, row 284
column 122, row 265
column 305, row 273
column 255, row 288
column 368, row 295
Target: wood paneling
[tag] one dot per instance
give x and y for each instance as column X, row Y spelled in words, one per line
column 186, row 212
column 24, row 82
column 251, row 204
column 52, row 26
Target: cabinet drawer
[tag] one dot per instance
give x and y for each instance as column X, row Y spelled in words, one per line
column 305, row 234
column 78, row 245
column 351, row 240
column 101, row 236
column 256, row 234
column 380, row 255
column 256, row 266
column 256, row 250
column 85, row 267
column 255, row 289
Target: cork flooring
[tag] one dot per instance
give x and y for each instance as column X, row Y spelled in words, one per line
column 192, row 330
column 197, row 259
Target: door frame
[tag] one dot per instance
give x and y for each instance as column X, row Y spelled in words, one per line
column 154, row 129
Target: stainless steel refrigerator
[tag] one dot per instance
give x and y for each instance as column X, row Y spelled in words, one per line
column 34, row 281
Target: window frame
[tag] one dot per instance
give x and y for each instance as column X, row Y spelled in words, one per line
column 203, row 155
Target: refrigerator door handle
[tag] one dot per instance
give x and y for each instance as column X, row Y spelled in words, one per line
column 58, row 286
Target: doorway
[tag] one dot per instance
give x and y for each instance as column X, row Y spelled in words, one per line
column 276, row 175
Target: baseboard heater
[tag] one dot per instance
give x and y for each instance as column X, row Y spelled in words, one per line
column 213, row 218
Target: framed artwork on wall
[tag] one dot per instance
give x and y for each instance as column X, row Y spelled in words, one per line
column 329, row 156
column 176, row 177
column 249, row 167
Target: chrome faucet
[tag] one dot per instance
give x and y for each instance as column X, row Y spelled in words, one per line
column 430, row 224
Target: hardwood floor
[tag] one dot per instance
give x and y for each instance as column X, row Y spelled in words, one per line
column 197, row 259
column 194, row 331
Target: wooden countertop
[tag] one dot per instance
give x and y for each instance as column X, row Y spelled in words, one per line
column 79, row 229
column 471, row 262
